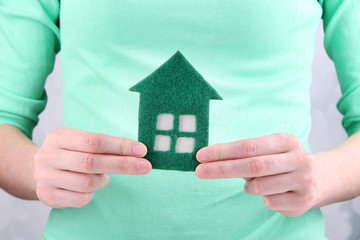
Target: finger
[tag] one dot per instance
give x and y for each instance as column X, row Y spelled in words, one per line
column 294, row 213
column 98, row 163
column 271, row 185
column 78, row 182
column 266, row 145
column 249, row 167
column 60, row 198
column 284, row 201
column 248, row 178
column 289, row 201
column 77, row 140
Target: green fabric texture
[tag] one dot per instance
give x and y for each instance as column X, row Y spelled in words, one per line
column 175, row 88
column 338, row 14
column 26, row 61
column 257, row 54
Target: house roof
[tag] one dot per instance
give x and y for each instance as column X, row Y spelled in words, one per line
column 176, row 76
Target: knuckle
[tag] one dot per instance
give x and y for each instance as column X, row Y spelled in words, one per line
column 83, row 200
column 235, row 167
column 297, row 158
column 87, row 162
column 257, row 187
column 123, row 165
column 309, row 180
column 258, row 166
column 290, row 140
column 123, row 146
column 88, row 183
column 307, row 160
column 49, row 136
column 219, row 152
column 93, row 142
column 250, row 148
column 221, row 172
column 281, row 135
column 308, row 198
column 55, row 134
column 303, row 159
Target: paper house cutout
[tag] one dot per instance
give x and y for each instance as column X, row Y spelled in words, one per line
column 174, row 114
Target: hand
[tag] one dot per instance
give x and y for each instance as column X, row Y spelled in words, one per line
column 276, row 167
column 72, row 164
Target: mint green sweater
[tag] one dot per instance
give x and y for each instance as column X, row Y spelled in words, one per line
column 256, row 54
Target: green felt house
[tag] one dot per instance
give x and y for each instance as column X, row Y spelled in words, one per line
column 174, row 114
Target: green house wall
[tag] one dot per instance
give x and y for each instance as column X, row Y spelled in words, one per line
column 147, row 129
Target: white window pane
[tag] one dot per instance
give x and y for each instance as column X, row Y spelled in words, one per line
column 162, row 143
column 187, row 123
column 185, row 145
column 165, row 122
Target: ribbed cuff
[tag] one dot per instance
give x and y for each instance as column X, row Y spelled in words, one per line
column 352, row 128
column 24, row 124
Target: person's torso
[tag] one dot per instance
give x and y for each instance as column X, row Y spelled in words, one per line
column 256, row 54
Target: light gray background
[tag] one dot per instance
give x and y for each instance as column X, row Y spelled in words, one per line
column 26, row 219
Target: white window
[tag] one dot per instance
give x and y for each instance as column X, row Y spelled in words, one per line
column 162, row 143
column 165, row 122
column 187, row 123
column 185, row 145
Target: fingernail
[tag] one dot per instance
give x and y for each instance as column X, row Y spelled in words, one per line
column 203, row 155
column 246, row 187
column 139, row 150
column 266, row 202
column 107, row 178
column 142, row 166
column 203, row 171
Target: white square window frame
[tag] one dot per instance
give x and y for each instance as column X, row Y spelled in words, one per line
column 162, row 143
column 185, row 145
column 165, row 121
column 187, row 123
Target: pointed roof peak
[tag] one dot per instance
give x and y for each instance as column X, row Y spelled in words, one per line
column 178, row 54
column 177, row 71
column 177, row 57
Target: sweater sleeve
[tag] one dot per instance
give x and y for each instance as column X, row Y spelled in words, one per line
column 29, row 41
column 341, row 20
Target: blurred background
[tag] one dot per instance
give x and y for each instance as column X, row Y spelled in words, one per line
column 25, row 220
